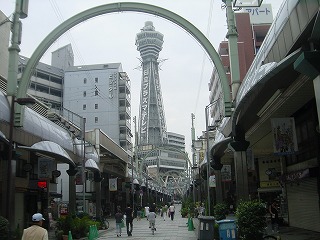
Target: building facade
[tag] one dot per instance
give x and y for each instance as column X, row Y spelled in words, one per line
column 101, row 94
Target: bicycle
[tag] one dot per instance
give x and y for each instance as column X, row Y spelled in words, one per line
column 105, row 223
column 153, row 228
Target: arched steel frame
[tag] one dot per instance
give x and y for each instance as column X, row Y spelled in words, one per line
column 123, row 7
column 149, row 153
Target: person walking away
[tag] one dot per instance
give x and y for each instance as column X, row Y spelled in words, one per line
column 119, row 219
column 152, row 220
column 273, row 210
column 36, row 231
column 129, row 219
column 139, row 212
column 171, row 211
column 164, row 210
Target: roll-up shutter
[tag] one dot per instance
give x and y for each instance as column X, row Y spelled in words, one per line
column 303, row 204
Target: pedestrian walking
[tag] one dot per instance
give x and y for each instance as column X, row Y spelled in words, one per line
column 139, row 212
column 129, row 219
column 273, row 210
column 164, row 210
column 36, row 231
column 119, row 221
column 171, row 211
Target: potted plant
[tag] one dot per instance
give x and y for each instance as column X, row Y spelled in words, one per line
column 251, row 220
column 4, row 228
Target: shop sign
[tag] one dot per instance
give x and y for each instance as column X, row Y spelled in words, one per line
column 295, row 176
column 226, row 173
column 212, row 181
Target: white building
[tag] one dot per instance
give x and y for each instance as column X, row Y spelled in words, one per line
column 101, row 94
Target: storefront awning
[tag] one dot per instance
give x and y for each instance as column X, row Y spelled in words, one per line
column 52, row 150
column 92, row 165
column 3, row 138
column 219, row 147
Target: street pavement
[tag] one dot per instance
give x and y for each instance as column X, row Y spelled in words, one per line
column 166, row 230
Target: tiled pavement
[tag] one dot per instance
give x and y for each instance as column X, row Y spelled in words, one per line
column 166, row 230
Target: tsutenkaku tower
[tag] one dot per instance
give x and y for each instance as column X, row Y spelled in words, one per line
column 152, row 124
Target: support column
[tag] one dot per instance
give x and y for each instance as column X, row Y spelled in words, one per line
column 219, row 197
column 239, row 147
column 72, row 188
column 217, row 166
column 97, row 187
column 316, row 85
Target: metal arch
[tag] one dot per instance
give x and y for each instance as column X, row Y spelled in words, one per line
column 121, row 7
column 161, row 148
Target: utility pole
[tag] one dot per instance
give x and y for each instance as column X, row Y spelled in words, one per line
column 21, row 11
column 193, row 136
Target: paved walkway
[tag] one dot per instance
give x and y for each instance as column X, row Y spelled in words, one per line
column 166, row 230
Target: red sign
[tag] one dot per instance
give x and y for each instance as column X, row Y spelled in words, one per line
column 42, row 184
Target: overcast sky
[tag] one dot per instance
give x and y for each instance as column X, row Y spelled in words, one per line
column 185, row 69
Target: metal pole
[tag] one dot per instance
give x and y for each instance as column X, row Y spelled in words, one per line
column 83, row 165
column 208, row 152
column 10, row 183
column 193, row 157
column 208, row 160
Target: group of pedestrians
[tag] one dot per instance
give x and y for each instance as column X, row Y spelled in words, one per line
column 150, row 212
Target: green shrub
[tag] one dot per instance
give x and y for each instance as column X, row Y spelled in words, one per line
column 4, row 228
column 251, row 220
column 220, row 211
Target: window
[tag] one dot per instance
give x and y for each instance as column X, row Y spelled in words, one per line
column 96, row 119
column 96, row 80
column 84, row 93
column 84, row 106
column 96, row 92
column 96, row 106
column 84, row 80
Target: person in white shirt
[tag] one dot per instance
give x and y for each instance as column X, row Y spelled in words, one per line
column 171, row 211
column 146, row 210
column 36, row 231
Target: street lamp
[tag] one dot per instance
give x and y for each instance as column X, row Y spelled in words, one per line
column 10, row 196
column 135, row 183
column 208, row 151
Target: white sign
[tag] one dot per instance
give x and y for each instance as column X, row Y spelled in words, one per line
column 284, row 136
column 44, row 168
column 259, row 15
column 226, row 173
column 113, row 184
column 212, row 181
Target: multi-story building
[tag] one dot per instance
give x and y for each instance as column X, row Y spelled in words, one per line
column 251, row 29
column 176, row 140
column 101, row 94
column 251, row 32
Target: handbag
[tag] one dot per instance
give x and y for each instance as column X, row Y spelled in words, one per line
column 122, row 224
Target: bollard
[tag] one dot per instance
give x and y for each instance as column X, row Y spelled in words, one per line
column 69, row 236
column 190, row 224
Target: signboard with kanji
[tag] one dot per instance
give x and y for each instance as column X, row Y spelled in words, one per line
column 259, row 15
column 226, row 173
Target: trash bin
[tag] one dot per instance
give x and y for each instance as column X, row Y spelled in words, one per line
column 227, row 229
column 206, row 228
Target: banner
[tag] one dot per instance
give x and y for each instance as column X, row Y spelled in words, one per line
column 113, row 184
column 44, row 168
column 212, row 181
column 284, row 136
column 226, row 173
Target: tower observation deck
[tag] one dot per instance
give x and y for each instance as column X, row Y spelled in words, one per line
column 152, row 128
